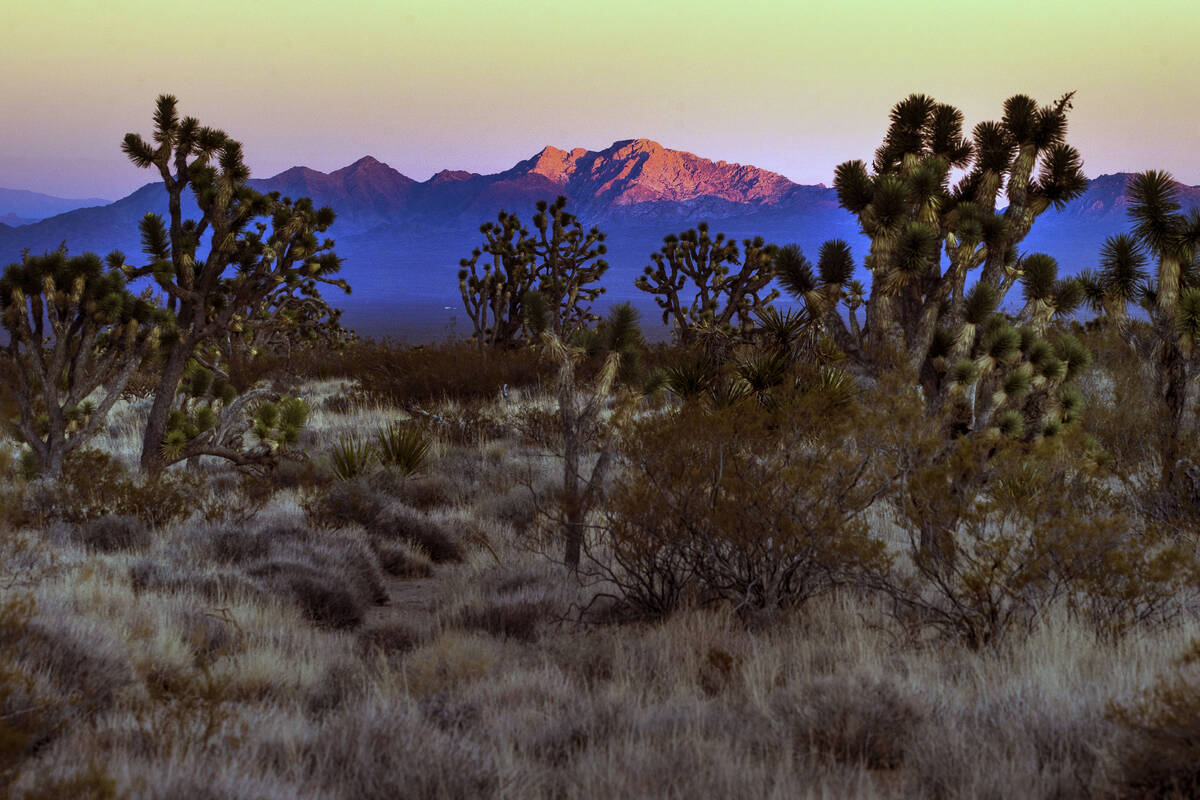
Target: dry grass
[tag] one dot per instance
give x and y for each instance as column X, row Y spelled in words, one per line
column 419, row 644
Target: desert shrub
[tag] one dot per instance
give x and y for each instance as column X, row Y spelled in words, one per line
column 388, row 750
column 1160, row 753
column 754, row 505
column 319, row 595
column 472, row 423
column 509, row 618
column 433, row 536
column 338, row 404
column 112, row 533
column 146, row 575
column 402, row 558
column 340, row 682
column 1143, row 574
column 209, row 635
column 95, row 485
column 1020, row 741
column 87, row 669
column 409, row 377
column 93, row 782
column 235, row 545
column 453, row 658
column 514, row 507
column 239, row 497
column 1001, row 529
column 345, row 557
column 389, row 640
column 353, row 502
column 425, row 492
column 451, row 711
column 849, row 719
column 17, row 730
column 298, row 472
column 1125, row 412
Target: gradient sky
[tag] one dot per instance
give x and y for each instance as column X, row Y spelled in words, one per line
column 467, row 84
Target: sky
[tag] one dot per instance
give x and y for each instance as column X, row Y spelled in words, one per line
column 793, row 87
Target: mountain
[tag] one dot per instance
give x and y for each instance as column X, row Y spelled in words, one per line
column 365, row 194
column 11, row 220
column 402, row 239
column 21, row 207
column 631, row 179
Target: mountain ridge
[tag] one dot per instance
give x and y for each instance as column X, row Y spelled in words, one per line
column 401, row 239
column 23, row 206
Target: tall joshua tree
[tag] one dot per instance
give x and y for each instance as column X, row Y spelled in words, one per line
column 250, row 265
column 73, row 329
column 927, row 235
column 1172, row 297
column 696, row 285
column 530, row 283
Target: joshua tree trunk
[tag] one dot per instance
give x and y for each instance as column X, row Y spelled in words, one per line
column 1175, row 385
column 153, row 461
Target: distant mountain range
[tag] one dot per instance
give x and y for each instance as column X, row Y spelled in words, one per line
column 401, row 239
column 21, row 207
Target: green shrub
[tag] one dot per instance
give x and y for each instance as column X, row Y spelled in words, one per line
column 402, row 447
column 351, row 458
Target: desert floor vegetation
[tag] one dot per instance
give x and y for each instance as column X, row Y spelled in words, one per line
column 417, row 635
column 945, row 551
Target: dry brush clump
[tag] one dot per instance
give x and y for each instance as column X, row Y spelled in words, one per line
column 1159, row 750
column 751, row 505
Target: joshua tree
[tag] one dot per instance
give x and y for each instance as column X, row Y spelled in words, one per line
column 579, row 425
column 907, row 207
column 717, row 298
column 531, row 283
column 1172, row 298
column 73, row 328
column 251, row 267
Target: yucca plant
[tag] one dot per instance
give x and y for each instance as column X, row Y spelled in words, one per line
column 351, row 458
column 403, row 447
column 688, row 380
